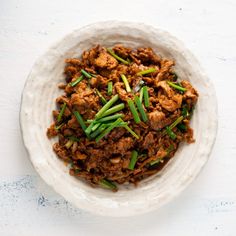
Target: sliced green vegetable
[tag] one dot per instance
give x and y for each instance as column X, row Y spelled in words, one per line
column 86, row 74
column 109, row 88
column 140, row 108
column 146, row 96
column 107, row 118
column 80, row 120
column 98, row 131
column 178, row 87
column 103, row 100
column 107, row 184
column 156, row 161
column 133, row 160
column 73, row 138
column 107, row 106
column 61, row 112
column 134, row 111
column 182, row 127
column 126, row 82
column 131, row 131
column 59, row 126
column 79, row 79
column 89, row 128
column 148, row 71
column 114, row 109
column 184, row 111
column 176, row 122
column 117, row 57
column 170, row 133
column 95, row 126
column 69, row 144
column 108, row 129
column 141, row 95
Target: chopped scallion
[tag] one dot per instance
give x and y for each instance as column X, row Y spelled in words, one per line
column 107, row 118
column 86, row 74
column 107, row 106
column 148, row 71
column 69, row 144
column 178, row 87
column 79, row 79
column 141, row 95
column 61, row 112
column 109, row 88
column 103, row 100
column 108, row 129
column 146, row 96
column 170, row 133
column 140, row 108
column 117, row 57
column 80, row 120
column 108, row 184
column 133, row 111
column 133, row 160
column 114, row 109
column 126, row 82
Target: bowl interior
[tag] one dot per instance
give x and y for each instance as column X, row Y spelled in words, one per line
column 38, row 101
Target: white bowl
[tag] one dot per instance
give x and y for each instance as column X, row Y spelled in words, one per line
column 38, row 101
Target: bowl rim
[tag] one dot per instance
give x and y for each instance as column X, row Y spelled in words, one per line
column 128, row 24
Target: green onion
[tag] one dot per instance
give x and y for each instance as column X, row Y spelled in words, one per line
column 122, row 124
column 156, row 161
column 146, row 96
column 61, row 112
column 69, row 144
column 140, row 108
column 126, row 82
column 72, row 84
column 89, row 121
column 109, row 88
column 170, row 133
column 86, row 74
column 103, row 100
column 117, row 57
column 141, row 95
column 107, row 106
column 89, row 128
column 133, row 111
column 107, row 184
column 178, row 87
column 80, row 120
column 182, row 127
column 114, row 109
column 170, row 149
column 185, row 112
column 108, row 129
column 176, row 122
column 73, row 138
column 95, row 126
column 148, row 71
column 59, row 126
column 133, row 160
column 98, row 131
column 131, row 131
column 107, row 118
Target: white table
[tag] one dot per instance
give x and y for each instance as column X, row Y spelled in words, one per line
column 28, row 206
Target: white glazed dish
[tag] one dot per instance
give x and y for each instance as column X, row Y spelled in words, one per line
column 38, row 101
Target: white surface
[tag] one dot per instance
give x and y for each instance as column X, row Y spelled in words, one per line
column 153, row 192
column 28, row 206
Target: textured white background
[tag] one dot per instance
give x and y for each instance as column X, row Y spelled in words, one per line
column 28, row 28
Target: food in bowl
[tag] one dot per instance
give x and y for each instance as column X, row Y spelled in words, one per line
column 123, row 114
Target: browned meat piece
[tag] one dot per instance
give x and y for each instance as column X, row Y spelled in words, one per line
column 191, row 94
column 171, row 104
column 168, row 98
column 105, row 60
column 122, row 51
column 148, row 55
column 148, row 140
column 61, row 152
column 120, row 146
column 109, row 158
column 51, row 131
column 156, row 119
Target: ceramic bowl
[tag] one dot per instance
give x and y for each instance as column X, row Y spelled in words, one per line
column 38, row 101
